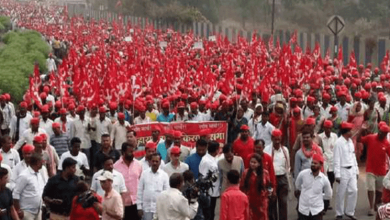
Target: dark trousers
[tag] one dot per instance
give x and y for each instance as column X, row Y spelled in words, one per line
column 209, row 213
column 310, row 217
column 95, row 146
column 331, row 178
column 131, row 213
column 279, row 205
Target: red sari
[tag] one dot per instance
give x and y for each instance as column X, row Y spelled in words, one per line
column 258, row 202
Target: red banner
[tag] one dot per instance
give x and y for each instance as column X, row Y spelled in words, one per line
column 191, row 131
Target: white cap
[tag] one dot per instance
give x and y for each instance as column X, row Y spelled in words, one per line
column 106, row 175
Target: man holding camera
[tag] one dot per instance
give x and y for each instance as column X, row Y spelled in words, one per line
column 171, row 204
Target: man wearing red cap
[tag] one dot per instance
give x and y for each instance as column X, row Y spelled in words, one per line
column 329, row 139
column 263, row 130
column 20, row 122
column 103, row 124
column 342, row 106
column 244, row 145
column 381, row 106
column 29, row 134
column 165, row 116
column 185, row 151
column 112, row 114
column 151, row 112
column 150, row 149
column 46, row 122
column 142, row 118
column 248, row 113
column 175, row 165
column 119, row 131
column 346, row 172
column 195, row 115
column 314, row 190
column 72, row 112
column 307, row 110
column 59, row 140
column 10, row 156
column 182, row 114
column 325, row 106
column 281, row 161
column 378, row 150
column 65, row 122
column 80, row 129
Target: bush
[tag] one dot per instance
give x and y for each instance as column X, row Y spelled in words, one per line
column 17, row 58
column 5, row 23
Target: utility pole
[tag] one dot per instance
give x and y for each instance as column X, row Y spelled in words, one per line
column 273, row 17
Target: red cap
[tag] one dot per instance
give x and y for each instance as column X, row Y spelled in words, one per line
column 384, row 128
column 150, row 145
column 34, row 121
column 277, row 133
column 28, row 148
column 71, row 107
column 311, row 99
column 310, row 121
column 175, row 150
column 318, row 158
column 113, row 105
column 165, row 105
column 43, row 136
column 45, row 109
column 328, row 124
column 326, row 96
column 80, row 108
column 36, row 114
column 56, row 125
column 244, row 128
column 382, row 99
column 156, row 128
column 346, row 125
column 141, row 108
column 177, row 134
column 58, row 104
column 38, row 139
column 62, row 111
column 42, row 95
column 297, row 110
column 46, row 89
column 121, row 115
column 102, row 109
column 358, row 95
column 23, row 104
column 181, row 105
column 194, row 105
column 293, row 99
column 333, row 109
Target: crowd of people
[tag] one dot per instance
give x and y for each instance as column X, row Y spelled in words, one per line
column 297, row 124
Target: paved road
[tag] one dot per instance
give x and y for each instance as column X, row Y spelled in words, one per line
column 362, row 204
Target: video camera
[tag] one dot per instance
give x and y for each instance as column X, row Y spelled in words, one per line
column 202, row 185
column 87, row 199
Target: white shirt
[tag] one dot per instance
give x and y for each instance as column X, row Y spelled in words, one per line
column 145, row 164
column 7, row 116
column 24, row 124
column 81, row 159
column 47, row 126
column 10, row 175
column 263, row 132
column 386, row 181
column 149, row 188
column 380, row 109
column 68, row 125
column 343, row 111
column 206, row 115
column 325, row 111
column 184, row 118
column 248, row 114
column 307, row 112
column 138, row 120
column 29, row 190
column 51, row 64
column 169, row 169
column 344, row 156
column 198, row 117
column 118, row 182
column 210, row 163
column 172, row 205
column 11, row 158
column 20, row 167
column 328, row 144
column 80, row 129
column 102, row 127
column 28, row 137
column 280, row 160
column 51, row 99
column 12, row 107
column 314, row 190
column 118, row 133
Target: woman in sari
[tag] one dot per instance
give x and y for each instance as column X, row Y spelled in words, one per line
column 356, row 117
column 255, row 183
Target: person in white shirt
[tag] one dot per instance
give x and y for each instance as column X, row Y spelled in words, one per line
column 65, row 122
column 263, row 130
column 346, row 172
column 313, row 190
column 209, row 165
column 20, row 122
column 206, row 113
column 29, row 134
column 343, row 107
column 329, row 139
column 182, row 114
column 153, row 181
column 9, row 103
column 142, row 118
column 119, row 131
column 27, row 151
column 150, row 150
column 80, row 129
column 46, row 123
column 51, row 64
column 28, row 191
column 118, row 181
column 171, row 204
column 9, row 183
column 6, row 110
column 10, row 156
column 248, row 112
column 72, row 113
column 175, row 165
column 281, row 161
column 112, row 114
column 308, row 109
column 103, row 124
column 195, row 115
column 82, row 166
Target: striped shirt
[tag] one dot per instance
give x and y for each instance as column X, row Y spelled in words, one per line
column 60, row 143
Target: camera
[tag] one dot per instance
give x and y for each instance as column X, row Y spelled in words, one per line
column 87, row 199
column 202, row 185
